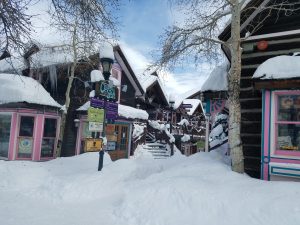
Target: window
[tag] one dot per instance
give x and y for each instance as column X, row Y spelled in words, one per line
column 49, row 137
column 4, row 134
column 25, row 139
column 287, row 123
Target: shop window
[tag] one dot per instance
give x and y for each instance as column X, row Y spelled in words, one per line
column 49, row 138
column 287, row 123
column 4, row 135
column 25, row 138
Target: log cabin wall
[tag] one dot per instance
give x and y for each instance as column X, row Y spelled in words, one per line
column 251, row 99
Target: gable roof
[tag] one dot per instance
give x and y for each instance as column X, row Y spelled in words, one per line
column 217, row 80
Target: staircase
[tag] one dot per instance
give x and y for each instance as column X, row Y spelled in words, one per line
column 150, row 138
column 156, row 150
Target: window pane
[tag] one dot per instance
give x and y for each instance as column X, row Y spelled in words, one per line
column 85, row 130
column 50, row 127
column 26, row 126
column 289, row 108
column 4, row 134
column 47, row 147
column 288, row 137
column 25, row 147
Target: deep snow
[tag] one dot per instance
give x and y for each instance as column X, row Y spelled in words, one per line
column 199, row 189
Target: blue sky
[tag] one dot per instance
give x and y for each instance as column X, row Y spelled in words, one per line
column 141, row 23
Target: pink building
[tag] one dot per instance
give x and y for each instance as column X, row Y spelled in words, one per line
column 29, row 120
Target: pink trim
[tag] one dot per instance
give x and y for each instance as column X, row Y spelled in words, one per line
column 79, row 136
column 287, row 153
column 266, row 133
column 285, row 161
column 12, row 138
column 38, row 135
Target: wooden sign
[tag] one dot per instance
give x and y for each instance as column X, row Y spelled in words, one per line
column 111, row 137
column 95, row 115
column 93, row 145
column 110, row 129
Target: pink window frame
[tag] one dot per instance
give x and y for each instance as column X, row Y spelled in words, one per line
column 55, row 138
column 33, row 136
column 276, row 122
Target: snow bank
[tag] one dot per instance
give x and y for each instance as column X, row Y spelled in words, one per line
column 138, row 130
column 185, row 138
column 16, row 88
column 123, row 111
column 162, row 127
column 279, row 67
column 193, row 190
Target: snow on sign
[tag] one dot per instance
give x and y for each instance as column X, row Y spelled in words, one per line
column 95, row 127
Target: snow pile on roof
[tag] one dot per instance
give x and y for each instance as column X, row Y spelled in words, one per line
column 184, row 122
column 16, row 88
column 217, row 80
column 138, row 130
column 185, row 138
column 48, row 56
column 123, row 111
column 279, row 67
column 194, row 102
column 193, row 190
column 162, row 127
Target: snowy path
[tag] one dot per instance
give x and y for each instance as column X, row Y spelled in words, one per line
column 180, row 190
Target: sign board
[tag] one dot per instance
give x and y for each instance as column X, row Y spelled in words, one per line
column 95, row 127
column 93, row 145
column 97, row 103
column 186, row 106
column 111, row 145
column 111, row 115
column 110, row 129
column 95, row 115
column 25, row 145
column 112, row 138
column 108, row 90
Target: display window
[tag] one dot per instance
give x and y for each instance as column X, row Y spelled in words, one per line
column 25, row 137
column 49, row 138
column 5, row 123
column 287, row 123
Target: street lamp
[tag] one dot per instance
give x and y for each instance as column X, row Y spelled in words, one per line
column 171, row 104
column 106, row 60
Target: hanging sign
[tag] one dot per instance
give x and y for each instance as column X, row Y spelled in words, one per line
column 110, row 129
column 95, row 127
column 112, row 138
column 108, row 90
column 93, row 145
column 95, row 115
column 186, row 106
column 111, row 145
column 25, row 145
column 97, row 103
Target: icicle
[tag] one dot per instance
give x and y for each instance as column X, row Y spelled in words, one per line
column 53, row 77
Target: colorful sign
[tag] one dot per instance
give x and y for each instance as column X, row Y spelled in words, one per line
column 97, row 103
column 110, row 129
column 108, row 90
column 95, row 127
column 95, row 115
column 93, row 145
column 25, row 145
column 112, row 138
column 111, row 145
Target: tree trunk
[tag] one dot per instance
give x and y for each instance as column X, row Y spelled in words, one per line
column 235, row 143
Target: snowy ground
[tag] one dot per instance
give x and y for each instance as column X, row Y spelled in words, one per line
column 182, row 190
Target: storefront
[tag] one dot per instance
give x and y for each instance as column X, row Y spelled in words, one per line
column 118, row 134
column 278, row 78
column 29, row 120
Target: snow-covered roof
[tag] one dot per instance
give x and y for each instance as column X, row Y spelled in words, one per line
column 123, row 111
column 194, row 102
column 279, row 67
column 16, row 88
column 217, row 80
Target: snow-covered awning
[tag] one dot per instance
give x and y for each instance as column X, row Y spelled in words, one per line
column 16, row 88
column 279, row 67
column 217, row 80
column 123, row 111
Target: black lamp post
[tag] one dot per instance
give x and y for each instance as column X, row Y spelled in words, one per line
column 106, row 60
column 171, row 104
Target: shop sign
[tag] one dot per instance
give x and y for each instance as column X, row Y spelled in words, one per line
column 186, row 106
column 111, row 137
column 25, row 145
column 93, row 145
column 110, row 129
column 95, row 115
column 108, row 90
column 97, row 103
column 95, row 127
column 111, row 145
